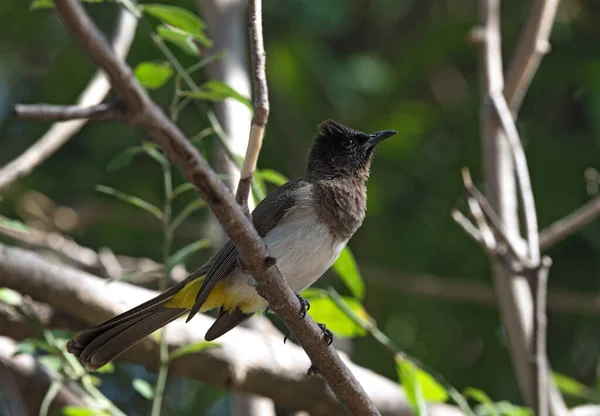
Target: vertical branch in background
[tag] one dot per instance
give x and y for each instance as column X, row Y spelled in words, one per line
column 227, row 25
column 260, row 101
column 523, row 315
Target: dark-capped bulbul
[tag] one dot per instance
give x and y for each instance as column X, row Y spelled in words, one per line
column 305, row 224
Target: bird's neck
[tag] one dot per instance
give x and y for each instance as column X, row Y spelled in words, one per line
column 341, row 204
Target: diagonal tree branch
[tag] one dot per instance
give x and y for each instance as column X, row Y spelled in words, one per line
column 60, row 133
column 141, row 110
column 532, row 47
column 99, row 112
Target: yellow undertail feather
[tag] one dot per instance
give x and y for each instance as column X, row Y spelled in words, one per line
column 186, row 297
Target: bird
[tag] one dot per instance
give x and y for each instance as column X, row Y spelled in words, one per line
column 305, row 224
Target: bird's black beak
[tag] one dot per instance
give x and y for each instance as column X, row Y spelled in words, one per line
column 380, row 136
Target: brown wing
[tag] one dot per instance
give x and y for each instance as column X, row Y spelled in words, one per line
column 265, row 217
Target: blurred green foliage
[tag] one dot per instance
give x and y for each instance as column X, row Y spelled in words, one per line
column 386, row 64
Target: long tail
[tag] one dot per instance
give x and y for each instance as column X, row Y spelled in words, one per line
column 98, row 345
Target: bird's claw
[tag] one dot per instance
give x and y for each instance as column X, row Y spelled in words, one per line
column 312, row 371
column 327, row 334
column 304, row 305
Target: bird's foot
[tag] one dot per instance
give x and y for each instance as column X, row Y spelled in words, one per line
column 312, row 371
column 304, row 305
column 327, row 334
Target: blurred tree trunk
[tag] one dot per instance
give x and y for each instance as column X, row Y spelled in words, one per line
column 227, row 26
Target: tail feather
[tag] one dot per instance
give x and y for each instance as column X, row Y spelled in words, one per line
column 225, row 323
column 105, row 342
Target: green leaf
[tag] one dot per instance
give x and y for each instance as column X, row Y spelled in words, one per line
column 106, row 368
column 272, row 176
column 181, row 255
column 216, row 91
column 508, row 409
column 188, row 210
column 30, row 346
column 181, row 189
column 179, row 18
column 10, row 297
column 123, row 158
column 432, row 390
column 323, row 309
column 13, row 224
column 151, row 150
column 347, row 269
column 132, row 200
column 574, row 388
column 179, row 38
column 191, row 349
column 52, row 362
column 143, row 388
column 82, row 411
column 409, row 377
column 481, row 397
column 49, row 4
column 153, row 75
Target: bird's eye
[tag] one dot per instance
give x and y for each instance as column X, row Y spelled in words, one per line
column 349, row 142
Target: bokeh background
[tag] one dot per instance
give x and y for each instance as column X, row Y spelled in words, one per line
column 385, row 64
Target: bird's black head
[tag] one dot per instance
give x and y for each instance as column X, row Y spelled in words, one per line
column 341, row 151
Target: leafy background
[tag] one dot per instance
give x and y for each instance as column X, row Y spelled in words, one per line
column 386, row 64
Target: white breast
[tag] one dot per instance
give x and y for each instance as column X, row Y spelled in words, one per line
column 303, row 248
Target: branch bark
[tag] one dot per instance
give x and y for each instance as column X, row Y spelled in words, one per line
column 245, row 360
column 513, row 291
column 141, row 110
column 60, row 133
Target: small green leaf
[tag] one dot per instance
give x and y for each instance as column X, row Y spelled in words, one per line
column 51, row 362
column 151, row 150
column 132, row 200
column 191, row 349
column 181, row 189
column 123, row 158
column 181, row 255
column 143, row 388
column 216, row 91
column 347, row 269
column 25, row 347
column 179, row 18
column 153, row 75
column 10, row 297
column 574, row 388
column 82, row 411
column 272, row 176
column 481, row 397
column 193, row 206
column 48, row 4
column 409, row 377
column 106, row 368
column 323, row 309
column 15, row 225
column 508, row 409
column 432, row 390
column 179, row 38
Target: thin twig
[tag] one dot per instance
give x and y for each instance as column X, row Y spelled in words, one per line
column 60, row 133
column 252, row 249
column 532, row 46
column 570, row 224
column 34, row 112
column 260, row 101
